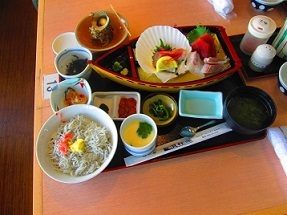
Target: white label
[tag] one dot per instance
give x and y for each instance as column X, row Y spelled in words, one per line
column 180, row 143
column 49, row 81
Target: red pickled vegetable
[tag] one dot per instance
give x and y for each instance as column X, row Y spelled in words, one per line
column 63, row 143
column 127, row 106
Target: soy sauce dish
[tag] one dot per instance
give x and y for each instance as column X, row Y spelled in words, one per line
column 249, row 110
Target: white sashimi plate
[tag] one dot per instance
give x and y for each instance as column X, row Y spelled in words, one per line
column 150, row 39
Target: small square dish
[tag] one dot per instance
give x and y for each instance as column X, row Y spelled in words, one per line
column 200, row 104
column 118, row 104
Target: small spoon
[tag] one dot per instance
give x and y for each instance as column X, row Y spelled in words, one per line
column 189, row 131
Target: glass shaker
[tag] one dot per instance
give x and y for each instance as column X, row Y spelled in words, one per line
column 260, row 29
column 262, row 57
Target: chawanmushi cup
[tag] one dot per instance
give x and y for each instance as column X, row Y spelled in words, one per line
column 134, row 144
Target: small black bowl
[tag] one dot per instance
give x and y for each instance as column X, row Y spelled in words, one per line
column 249, row 110
column 262, row 5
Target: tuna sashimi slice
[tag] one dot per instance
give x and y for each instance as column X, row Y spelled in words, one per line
column 205, row 46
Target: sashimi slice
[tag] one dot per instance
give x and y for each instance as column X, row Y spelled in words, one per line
column 210, row 40
column 202, row 48
column 205, row 46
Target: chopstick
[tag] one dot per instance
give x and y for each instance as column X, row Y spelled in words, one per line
column 121, row 20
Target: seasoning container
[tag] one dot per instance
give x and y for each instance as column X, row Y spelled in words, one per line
column 262, row 57
column 260, row 29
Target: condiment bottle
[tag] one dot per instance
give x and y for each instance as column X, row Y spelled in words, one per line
column 262, row 57
column 260, row 29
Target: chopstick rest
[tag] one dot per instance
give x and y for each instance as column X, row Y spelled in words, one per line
column 278, row 138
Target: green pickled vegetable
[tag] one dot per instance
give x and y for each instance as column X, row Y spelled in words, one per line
column 117, row 67
column 159, row 110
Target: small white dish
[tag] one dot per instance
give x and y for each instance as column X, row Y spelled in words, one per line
column 200, row 104
column 69, row 56
column 110, row 101
column 65, row 41
column 79, row 85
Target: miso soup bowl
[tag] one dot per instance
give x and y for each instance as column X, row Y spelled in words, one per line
column 129, row 145
column 261, row 109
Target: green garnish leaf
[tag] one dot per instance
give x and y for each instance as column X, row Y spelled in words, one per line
column 144, row 130
column 196, row 33
column 162, row 46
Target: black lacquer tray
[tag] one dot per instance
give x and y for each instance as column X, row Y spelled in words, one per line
column 171, row 132
column 271, row 70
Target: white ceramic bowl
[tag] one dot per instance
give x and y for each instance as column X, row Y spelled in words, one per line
column 80, row 85
column 51, row 126
column 139, row 150
column 65, row 41
column 282, row 78
column 67, row 56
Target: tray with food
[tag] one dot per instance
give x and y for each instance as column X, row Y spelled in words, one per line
column 161, row 59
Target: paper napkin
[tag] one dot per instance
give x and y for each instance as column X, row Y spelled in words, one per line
column 224, row 8
column 278, row 138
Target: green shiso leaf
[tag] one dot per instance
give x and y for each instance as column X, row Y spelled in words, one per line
column 162, row 46
column 196, row 33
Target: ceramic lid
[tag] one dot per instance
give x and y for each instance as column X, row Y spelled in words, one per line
column 266, row 51
column 261, row 26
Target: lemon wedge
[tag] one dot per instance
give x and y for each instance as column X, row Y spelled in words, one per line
column 166, row 64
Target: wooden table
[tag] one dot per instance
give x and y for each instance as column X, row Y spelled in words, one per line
column 233, row 180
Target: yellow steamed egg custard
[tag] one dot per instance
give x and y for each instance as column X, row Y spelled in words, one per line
column 138, row 133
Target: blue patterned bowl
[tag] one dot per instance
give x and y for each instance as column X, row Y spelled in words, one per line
column 58, row 94
column 265, row 5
